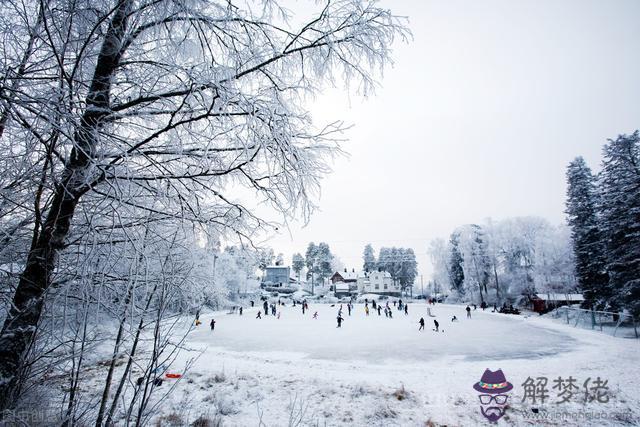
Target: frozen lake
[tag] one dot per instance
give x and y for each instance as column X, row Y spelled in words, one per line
column 373, row 338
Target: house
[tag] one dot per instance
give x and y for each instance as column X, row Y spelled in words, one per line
column 378, row 282
column 542, row 303
column 344, row 276
column 341, row 289
column 344, row 283
column 278, row 278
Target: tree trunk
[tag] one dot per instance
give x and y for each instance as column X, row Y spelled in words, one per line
column 18, row 330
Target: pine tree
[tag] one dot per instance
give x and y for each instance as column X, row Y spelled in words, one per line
column 297, row 263
column 369, row 258
column 456, row 270
column 324, row 258
column 621, row 218
column 586, row 233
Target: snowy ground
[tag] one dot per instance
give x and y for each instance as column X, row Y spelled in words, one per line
column 297, row 370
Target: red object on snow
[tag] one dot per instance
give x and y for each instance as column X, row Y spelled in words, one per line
column 173, row 375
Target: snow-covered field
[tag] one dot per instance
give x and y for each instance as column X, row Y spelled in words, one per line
column 297, row 370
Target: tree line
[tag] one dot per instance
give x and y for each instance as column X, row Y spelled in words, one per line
column 603, row 211
column 501, row 261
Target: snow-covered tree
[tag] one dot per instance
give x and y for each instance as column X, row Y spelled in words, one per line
column 472, row 243
column 586, row 234
column 297, row 264
column 171, row 108
column 620, row 189
column 456, row 267
column 369, row 258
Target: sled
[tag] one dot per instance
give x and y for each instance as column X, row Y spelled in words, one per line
column 168, row 375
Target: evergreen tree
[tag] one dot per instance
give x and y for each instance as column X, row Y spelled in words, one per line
column 310, row 260
column 456, row 270
column 621, row 218
column 297, row 263
column 409, row 267
column 324, row 259
column 586, row 234
column 369, row 258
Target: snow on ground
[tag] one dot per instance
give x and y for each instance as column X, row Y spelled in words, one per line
column 297, row 370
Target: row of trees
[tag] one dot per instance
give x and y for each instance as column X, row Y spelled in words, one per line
column 128, row 130
column 499, row 261
column 399, row 262
column 603, row 211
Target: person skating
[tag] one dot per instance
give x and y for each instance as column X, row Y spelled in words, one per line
column 366, row 310
column 390, row 314
column 251, row 301
column 315, row 315
column 454, row 319
column 468, row 312
column 212, row 324
column 349, row 309
column 240, row 311
column 406, row 309
column 436, row 324
column 259, row 316
column 421, row 328
column 379, row 309
column 265, row 306
column 475, row 307
column 339, row 319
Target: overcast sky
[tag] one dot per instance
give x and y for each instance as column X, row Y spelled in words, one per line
column 478, row 118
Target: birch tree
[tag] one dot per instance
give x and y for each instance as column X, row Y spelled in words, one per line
column 189, row 111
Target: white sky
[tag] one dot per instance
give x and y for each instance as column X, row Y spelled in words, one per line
column 478, row 118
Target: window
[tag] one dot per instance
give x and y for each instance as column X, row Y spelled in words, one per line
column 377, row 286
column 385, row 286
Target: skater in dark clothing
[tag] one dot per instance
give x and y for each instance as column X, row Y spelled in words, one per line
column 339, row 319
column 349, row 309
column 374, row 305
column 240, row 311
column 265, row 306
column 259, row 316
column 390, row 314
column 421, row 328
column 436, row 324
column 212, row 324
column 406, row 309
column 475, row 307
column 379, row 310
column 468, row 312
column 454, row 319
column 251, row 303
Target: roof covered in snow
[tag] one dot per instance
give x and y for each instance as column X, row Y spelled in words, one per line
column 560, row 297
column 348, row 275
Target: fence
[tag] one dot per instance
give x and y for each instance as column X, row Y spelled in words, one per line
column 616, row 324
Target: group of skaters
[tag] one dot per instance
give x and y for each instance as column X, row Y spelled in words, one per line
column 454, row 319
column 273, row 308
column 375, row 306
